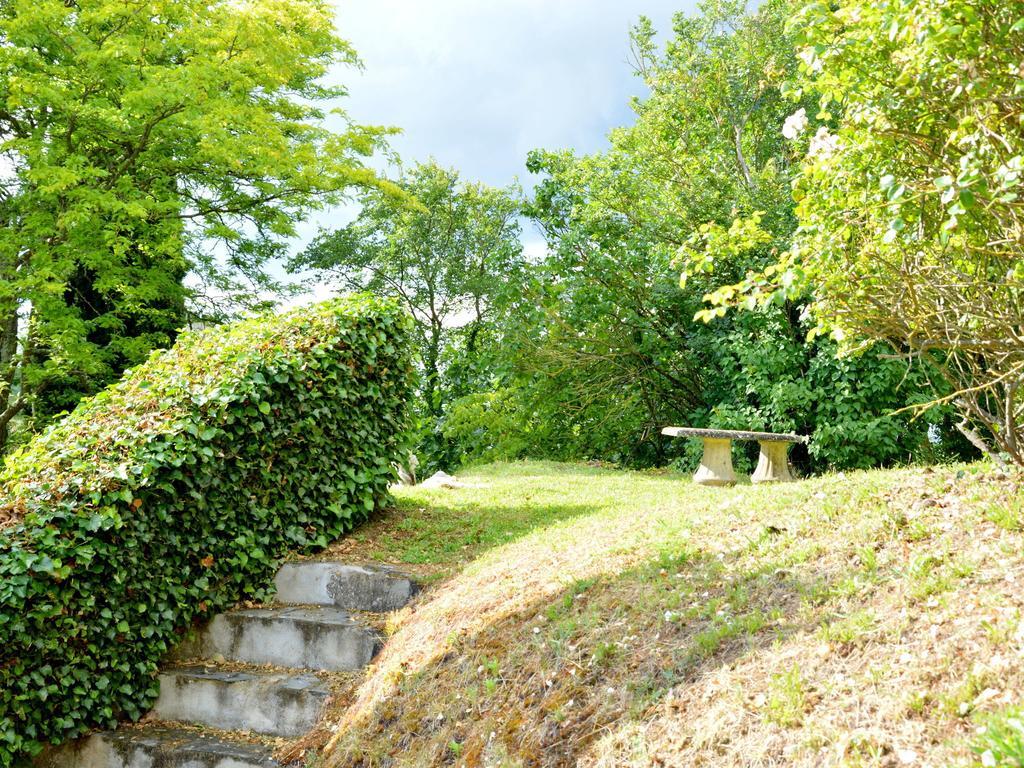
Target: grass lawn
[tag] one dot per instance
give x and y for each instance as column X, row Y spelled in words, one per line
column 580, row 615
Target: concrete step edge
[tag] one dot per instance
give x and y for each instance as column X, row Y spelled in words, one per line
column 273, row 704
column 301, row 638
column 366, row 587
column 159, row 746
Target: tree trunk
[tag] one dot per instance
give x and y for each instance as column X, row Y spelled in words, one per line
column 741, row 161
column 432, row 376
column 9, row 407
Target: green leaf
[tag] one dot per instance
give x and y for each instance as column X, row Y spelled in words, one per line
column 213, row 485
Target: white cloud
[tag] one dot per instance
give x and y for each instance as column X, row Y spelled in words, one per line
column 534, row 249
column 477, row 84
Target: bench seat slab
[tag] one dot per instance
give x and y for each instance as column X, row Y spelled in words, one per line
column 733, row 434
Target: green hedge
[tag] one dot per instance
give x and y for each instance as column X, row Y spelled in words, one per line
column 173, row 494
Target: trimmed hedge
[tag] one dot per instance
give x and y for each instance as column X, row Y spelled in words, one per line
column 174, row 493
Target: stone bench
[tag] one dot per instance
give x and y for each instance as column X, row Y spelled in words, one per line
column 716, row 463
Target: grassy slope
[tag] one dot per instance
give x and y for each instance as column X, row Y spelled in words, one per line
column 605, row 618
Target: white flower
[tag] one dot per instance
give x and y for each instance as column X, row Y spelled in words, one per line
column 795, row 124
column 988, row 759
column 810, row 59
column 823, row 143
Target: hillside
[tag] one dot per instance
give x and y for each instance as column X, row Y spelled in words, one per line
column 582, row 615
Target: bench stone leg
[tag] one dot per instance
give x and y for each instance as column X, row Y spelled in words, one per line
column 716, row 463
column 773, row 465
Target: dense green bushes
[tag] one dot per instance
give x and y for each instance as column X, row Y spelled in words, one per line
column 908, row 179
column 911, row 209
column 171, row 495
column 600, row 347
column 754, row 370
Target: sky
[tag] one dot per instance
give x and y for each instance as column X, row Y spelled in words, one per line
column 477, row 84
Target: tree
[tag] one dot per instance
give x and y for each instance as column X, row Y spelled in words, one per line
column 615, row 349
column 145, row 141
column 912, row 221
column 909, row 199
column 453, row 258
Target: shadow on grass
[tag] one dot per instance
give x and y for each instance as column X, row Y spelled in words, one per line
column 538, row 686
column 444, row 529
column 454, row 532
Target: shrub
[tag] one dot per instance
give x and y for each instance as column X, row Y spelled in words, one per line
column 756, row 371
column 767, row 376
column 489, row 426
column 173, row 494
column 912, row 220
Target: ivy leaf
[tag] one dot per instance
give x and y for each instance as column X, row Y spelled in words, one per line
column 212, row 480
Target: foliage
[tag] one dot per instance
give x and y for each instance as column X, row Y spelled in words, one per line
column 118, row 336
column 1000, row 741
column 173, row 494
column 143, row 142
column 771, row 378
column 607, row 349
column 912, row 217
column 909, row 196
column 491, row 426
column 453, row 259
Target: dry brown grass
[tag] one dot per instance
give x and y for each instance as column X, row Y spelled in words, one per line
column 855, row 620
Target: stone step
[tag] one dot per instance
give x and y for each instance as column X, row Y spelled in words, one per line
column 158, row 747
column 307, row 638
column 275, row 704
column 374, row 588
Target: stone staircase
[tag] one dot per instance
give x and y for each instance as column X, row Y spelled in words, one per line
column 253, row 670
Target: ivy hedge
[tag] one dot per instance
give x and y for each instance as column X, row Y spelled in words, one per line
column 173, row 494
